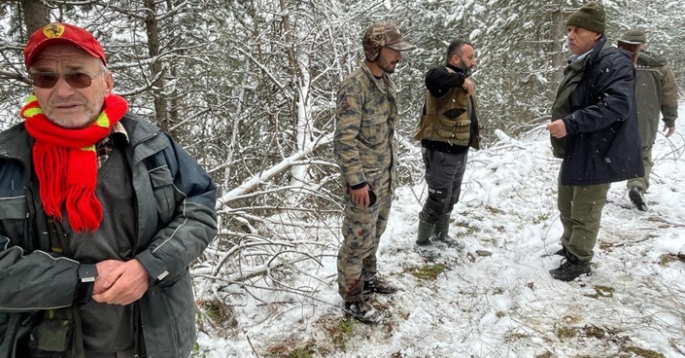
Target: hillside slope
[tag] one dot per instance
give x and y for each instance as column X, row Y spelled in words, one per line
column 496, row 298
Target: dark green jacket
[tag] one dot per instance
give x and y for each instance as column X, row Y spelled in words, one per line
column 176, row 221
column 656, row 93
column 562, row 104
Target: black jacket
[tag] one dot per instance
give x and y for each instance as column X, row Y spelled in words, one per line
column 603, row 143
column 439, row 81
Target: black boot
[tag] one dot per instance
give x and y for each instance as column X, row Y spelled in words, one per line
column 637, row 196
column 377, row 285
column 442, row 228
column 571, row 268
column 425, row 233
column 362, row 311
column 562, row 252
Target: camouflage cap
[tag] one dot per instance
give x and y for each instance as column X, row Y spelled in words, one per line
column 634, row 37
column 383, row 34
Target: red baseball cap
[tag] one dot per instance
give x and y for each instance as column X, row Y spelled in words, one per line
column 58, row 32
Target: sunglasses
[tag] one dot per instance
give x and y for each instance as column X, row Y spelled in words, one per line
column 74, row 79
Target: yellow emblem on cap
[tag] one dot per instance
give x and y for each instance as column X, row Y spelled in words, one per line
column 53, row 31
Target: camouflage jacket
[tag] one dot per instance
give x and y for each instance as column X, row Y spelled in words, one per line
column 365, row 116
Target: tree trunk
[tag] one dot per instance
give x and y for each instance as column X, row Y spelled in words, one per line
column 36, row 14
column 558, row 56
column 174, row 116
column 152, row 29
column 292, row 63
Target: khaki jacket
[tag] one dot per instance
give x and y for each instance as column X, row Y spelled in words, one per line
column 449, row 118
column 657, row 95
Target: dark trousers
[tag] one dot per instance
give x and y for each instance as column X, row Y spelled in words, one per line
column 444, row 174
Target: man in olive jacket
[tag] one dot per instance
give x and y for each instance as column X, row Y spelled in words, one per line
column 594, row 130
column 101, row 213
column 656, row 93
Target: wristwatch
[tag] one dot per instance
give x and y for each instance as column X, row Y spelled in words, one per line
column 87, row 273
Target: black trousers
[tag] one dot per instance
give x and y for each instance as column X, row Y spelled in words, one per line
column 444, row 174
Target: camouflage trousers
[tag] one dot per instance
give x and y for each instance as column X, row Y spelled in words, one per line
column 580, row 209
column 362, row 228
column 643, row 183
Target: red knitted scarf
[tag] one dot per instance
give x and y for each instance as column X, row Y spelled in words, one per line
column 65, row 161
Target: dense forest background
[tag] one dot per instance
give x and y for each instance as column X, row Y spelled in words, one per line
column 248, row 85
column 248, row 88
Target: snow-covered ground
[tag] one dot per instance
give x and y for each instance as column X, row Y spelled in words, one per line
column 505, row 304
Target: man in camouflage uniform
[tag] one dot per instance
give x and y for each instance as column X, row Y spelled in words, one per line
column 656, row 93
column 448, row 126
column 366, row 114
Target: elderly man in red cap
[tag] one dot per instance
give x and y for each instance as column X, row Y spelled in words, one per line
column 100, row 215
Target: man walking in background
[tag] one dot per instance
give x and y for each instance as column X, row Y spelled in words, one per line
column 594, row 131
column 656, row 93
column 101, row 214
column 448, row 126
column 366, row 114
